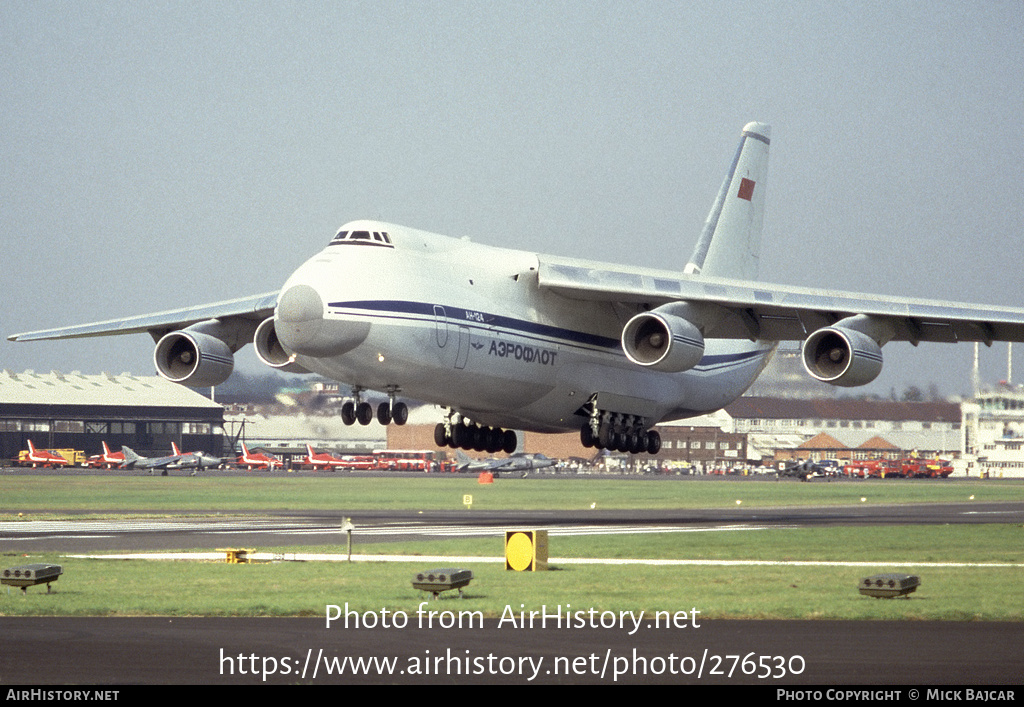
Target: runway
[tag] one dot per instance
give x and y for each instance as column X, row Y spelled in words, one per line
column 254, row 652
column 241, row 651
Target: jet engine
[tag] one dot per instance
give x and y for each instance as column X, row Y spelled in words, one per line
column 271, row 352
column 193, row 358
column 663, row 342
column 842, row 356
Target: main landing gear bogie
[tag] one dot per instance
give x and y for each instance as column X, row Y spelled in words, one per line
column 479, row 438
column 619, row 433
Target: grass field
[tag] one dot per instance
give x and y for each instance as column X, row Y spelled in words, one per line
column 984, row 588
column 328, row 492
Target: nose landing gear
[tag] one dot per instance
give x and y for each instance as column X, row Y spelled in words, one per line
column 362, row 412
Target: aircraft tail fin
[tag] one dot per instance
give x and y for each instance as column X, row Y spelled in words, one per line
column 130, row 457
column 730, row 244
column 31, row 447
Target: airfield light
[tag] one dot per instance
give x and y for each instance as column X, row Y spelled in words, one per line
column 887, row 586
column 27, row 576
column 441, row 580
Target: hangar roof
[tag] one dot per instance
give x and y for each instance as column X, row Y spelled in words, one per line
column 125, row 390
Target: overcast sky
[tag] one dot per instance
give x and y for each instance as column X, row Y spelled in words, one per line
column 162, row 154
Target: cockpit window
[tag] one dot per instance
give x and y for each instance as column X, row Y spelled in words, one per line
column 363, row 237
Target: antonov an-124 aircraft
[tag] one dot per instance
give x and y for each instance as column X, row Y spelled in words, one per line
column 510, row 340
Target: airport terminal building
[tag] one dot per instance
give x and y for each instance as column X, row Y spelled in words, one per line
column 76, row 411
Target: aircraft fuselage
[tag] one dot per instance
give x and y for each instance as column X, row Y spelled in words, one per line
column 465, row 325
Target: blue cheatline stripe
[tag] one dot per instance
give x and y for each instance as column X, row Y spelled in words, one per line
column 468, row 317
column 420, row 311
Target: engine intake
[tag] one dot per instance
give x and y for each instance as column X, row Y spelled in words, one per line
column 270, row 351
column 842, row 356
column 193, row 359
column 663, row 342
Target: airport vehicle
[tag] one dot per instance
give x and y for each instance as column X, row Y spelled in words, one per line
column 909, row 468
column 260, row 460
column 106, row 460
column 40, row 457
column 519, row 461
column 506, row 339
column 874, row 469
column 935, row 469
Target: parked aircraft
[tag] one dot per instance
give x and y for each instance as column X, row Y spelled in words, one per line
column 194, row 460
column 42, row 457
column 132, row 460
column 259, row 460
column 323, row 460
column 519, row 461
column 106, row 460
column 506, row 339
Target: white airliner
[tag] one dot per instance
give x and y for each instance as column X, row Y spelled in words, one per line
column 506, row 339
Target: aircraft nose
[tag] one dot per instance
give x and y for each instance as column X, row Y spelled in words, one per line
column 300, row 304
column 302, row 328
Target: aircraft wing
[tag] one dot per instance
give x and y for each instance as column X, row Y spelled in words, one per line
column 257, row 308
column 741, row 309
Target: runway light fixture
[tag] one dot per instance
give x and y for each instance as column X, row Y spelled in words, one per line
column 27, row 576
column 441, row 580
column 887, row 586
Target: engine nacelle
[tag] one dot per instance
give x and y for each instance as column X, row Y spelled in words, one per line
column 271, row 352
column 663, row 342
column 842, row 356
column 193, row 358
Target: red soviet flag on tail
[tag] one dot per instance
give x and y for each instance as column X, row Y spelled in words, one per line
column 746, row 189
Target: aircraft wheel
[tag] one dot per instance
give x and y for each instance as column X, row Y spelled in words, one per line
column 635, row 443
column 586, row 436
column 348, row 413
column 462, row 436
column 480, row 436
column 653, row 442
column 384, row 414
column 364, row 413
column 400, row 413
column 604, row 436
column 509, row 441
column 495, row 440
column 440, row 436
